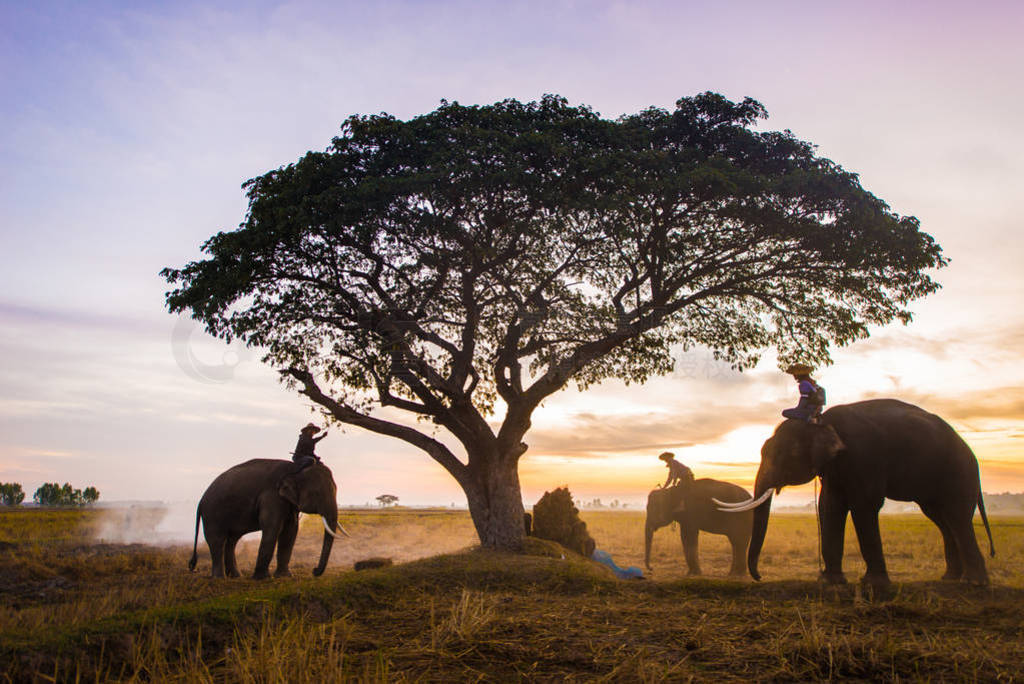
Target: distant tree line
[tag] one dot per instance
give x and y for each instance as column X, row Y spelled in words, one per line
column 49, row 494
column 11, row 494
column 597, row 503
column 1005, row 502
column 53, row 494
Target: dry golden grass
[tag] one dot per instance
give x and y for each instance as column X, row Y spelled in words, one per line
column 79, row 611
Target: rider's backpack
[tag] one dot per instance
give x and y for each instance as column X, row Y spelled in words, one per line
column 818, row 395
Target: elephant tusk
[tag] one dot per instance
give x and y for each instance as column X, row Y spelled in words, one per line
column 332, row 532
column 722, row 505
column 731, row 504
column 744, row 505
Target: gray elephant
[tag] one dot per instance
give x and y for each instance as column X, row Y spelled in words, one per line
column 267, row 495
column 690, row 504
column 865, row 452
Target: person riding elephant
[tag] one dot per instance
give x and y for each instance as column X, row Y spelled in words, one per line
column 305, row 449
column 812, row 395
column 677, row 472
column 691, row 505
column 265, row 495
column 865, row 452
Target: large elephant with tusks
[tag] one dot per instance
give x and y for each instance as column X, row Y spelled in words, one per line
column 266, row 495
column 864, row 453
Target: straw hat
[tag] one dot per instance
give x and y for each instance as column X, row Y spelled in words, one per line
column 310, row 428
column 800, row 369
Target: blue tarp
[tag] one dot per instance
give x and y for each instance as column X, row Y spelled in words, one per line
column 605, row 558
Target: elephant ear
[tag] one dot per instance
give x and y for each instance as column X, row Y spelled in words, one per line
column 677, row 504
column 289, row 491
column 827, row 445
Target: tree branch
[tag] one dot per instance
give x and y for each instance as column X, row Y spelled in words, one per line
column 438, row 451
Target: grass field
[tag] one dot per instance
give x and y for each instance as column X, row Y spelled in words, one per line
column 75, row 609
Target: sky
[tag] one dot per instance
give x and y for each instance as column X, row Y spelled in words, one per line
column 127, row 129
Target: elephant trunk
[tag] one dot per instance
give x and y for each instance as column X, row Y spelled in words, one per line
column 648, row 536
column 760, row 524
column 330, row 523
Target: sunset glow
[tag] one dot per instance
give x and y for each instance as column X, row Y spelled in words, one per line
column 128, row 131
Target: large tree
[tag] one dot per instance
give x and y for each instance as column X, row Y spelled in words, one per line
column 472, row 261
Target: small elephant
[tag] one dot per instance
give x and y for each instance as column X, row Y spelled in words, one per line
column 690, row 504
column 267, row 495
column 864, row 453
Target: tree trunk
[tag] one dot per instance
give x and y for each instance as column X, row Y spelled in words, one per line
column 496, row 503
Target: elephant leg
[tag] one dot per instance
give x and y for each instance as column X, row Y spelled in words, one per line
column 865, row 521
column 832, row 515
column 268, row 541
column 739, row 542
column 954, row 566
column 230, row 563
column 285, row 544
column 216, row 543
column 688, row 536
column 962, row 528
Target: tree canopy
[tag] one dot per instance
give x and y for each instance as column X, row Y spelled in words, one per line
column 478, row 258
column 11, row 493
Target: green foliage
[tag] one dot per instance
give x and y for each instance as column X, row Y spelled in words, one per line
column 53, row 494
column 454, row 246
column 11, row 493
column 387, row 499
column 90, row 495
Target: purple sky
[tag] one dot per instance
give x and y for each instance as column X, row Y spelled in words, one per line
column 128, row 130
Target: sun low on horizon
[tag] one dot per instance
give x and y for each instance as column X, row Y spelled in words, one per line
column 716, row 422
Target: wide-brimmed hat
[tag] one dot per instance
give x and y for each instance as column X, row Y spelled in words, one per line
column 310, row 428
column 667, row 455
column 800, row 369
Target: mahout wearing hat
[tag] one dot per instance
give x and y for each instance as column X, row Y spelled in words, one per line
column 800, row 369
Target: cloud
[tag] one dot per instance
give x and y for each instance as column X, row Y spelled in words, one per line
column 590, row 435
column 996, row 341
column 10, row 467
column 54, row 454
column 36, row 317
column 1004, row 403
column 1009, row 475
column 234, row 418
column 38, row 407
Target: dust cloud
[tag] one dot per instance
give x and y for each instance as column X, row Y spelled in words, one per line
column 399, row 535
column 153, row 524
column 402, row 537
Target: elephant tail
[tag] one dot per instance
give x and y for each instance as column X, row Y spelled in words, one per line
column 195, row 545
column 984, row 519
